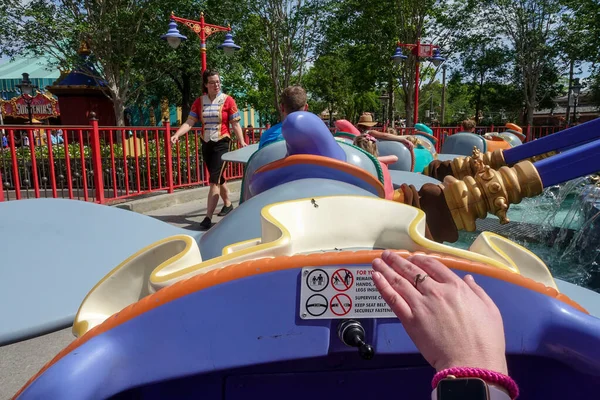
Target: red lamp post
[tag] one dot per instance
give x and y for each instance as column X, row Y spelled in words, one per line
column 428, row 51
column 203, row 30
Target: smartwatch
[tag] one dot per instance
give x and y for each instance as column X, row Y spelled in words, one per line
column 467, row 389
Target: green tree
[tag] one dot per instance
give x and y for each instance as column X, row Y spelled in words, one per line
column 56, row 28
column 175, row 73
column 371, row 30
column 530, row 26
column 581, row 19
column 484, row 63
column 328, row 81
column 579, row 39
column 459, row 104
column 285, row 32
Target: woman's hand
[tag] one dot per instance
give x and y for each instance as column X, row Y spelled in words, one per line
column 242, row 143
column 185, row 128
column 452, row 321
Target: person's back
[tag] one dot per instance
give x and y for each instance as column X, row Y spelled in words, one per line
column 292, row 99
column 271, row 135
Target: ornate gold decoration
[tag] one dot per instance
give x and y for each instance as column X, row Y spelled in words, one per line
column 490, row 191
column 193, row 26
column 209, row 30
column 494, row 159
column 468, row 166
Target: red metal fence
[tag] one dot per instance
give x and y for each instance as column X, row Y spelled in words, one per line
column 104, row 164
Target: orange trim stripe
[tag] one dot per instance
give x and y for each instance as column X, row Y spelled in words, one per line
column 326, row 162
column 265, row 265
column 497, row 143
column 514, row 127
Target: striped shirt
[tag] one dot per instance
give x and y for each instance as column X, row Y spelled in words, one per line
column 216, row 115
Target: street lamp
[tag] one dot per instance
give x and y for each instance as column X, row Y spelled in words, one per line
column 429, row 52
column 173, row 37
column 398, row 56
column 203, row 30
column 576, row 90
column 383, row 98
column 27, row 88
column 436, row 58
column 228, row 46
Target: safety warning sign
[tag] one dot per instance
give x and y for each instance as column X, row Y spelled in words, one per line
column 341, row 292
column 342, row 279
column 340, row 304
column 317, row 280
column 316, row 305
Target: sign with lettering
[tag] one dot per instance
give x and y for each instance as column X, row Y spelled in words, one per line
column 339, row 293
column 42, row 107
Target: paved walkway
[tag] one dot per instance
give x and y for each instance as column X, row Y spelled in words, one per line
column 20, row 361
column 189, row 215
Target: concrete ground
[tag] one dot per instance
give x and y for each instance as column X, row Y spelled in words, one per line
column 189, row 215
column 20, row 361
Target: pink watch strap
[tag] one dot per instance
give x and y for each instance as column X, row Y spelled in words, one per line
column 489, row 376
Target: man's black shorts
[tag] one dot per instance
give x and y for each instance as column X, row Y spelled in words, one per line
column 211, row 154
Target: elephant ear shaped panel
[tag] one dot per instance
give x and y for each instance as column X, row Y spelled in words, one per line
column 462, row 143
column 269, row 153
column 509, row 137
column 425, row 133
column 342, row 125
column 503, row 140
column 515, row 130
column 404, row 150
column 423, row 150
column 304, row 166
column 304, row 154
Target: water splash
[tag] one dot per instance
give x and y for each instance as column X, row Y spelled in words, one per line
column 567, row 222
column 570, row 228
column 556, row 207
column 581, row 253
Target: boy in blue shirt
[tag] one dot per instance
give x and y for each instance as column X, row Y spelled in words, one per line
column 292, row 99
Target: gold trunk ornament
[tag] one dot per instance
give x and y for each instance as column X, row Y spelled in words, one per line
column 489, row 190
column 468, row 166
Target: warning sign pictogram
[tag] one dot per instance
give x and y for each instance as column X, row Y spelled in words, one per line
column 316, row 305
column 340, row 304
column 340, row 292
column 342, row 280
column 317, row 280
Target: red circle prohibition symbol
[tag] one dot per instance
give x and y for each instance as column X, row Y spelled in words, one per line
column 342, row 280
column 340, row 304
